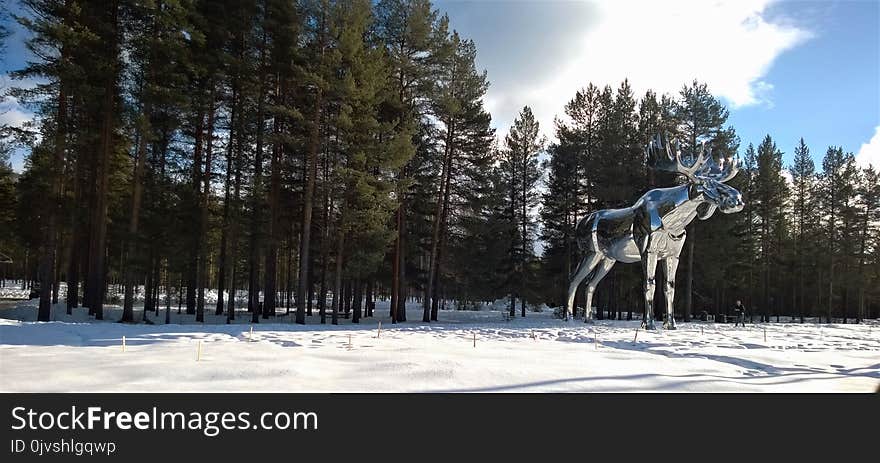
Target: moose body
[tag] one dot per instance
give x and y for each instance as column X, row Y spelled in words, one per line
column 652, row 229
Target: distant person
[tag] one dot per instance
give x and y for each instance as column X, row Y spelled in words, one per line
column 740, row 311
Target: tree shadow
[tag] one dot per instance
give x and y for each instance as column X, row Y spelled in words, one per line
column 671, row 383
column 768, row 369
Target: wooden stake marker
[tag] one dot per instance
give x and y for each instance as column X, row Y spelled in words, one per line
column 379, row 332
column 199, row 352
column 765, row 334
column 349, row 341
column 475, row 340
column 701, row 331
column 123, row 344
column 636, row 336
column 251, row 335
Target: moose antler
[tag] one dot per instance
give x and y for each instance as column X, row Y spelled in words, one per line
column 726, row 170
column 662, row 159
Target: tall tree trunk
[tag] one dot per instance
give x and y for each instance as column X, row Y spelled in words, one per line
column 308, row 194
column 47, row 260
column 444, row 217
column 256, row 195
column 157, row 275
column 233, row 234
column 347, row 298
column 288, row 284
column 59, row 240
column 202, row 263
column 862, row 254
column 305, row 244
column 395, row 265
column 337, row 287
column 401, row 267
column 72, row 297
column 525, row 221
column 369, row 305
column 196, row 237
column 430, row 303
column 98, row 247
column 325, row 240
column 358, row 295
column 137, row 189
column 222, row 263
column 270, row 275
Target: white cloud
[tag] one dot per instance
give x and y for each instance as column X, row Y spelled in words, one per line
column 12, row 112
column 869, row 153
column 730, row 45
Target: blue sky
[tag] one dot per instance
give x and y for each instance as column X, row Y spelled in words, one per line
column 788, row 68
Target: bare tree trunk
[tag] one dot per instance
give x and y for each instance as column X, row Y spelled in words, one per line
column 97, row 248
column 369, row 306
column 325, row 241
column 308, row 194
column 444, row 218
column 256, row 195
column 395, row 266
column 137, row 189
column 47, row 259
column 270, row 266
column 202, row 263
column 429, row 304
column 337, row 287
column 224, row 240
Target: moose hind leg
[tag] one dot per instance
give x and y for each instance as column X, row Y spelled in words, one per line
column 671, row 267
column 584, row 268
column 649, row 263
column 603, row 269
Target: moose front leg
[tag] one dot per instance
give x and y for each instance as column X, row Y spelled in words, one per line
column 671, row 267
column 649, row 263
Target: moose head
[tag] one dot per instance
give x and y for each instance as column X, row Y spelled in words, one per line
column 706, row 177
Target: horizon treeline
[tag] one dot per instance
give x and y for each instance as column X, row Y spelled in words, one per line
column 318, row 155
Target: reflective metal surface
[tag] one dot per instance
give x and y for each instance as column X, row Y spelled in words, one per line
column 653, row 229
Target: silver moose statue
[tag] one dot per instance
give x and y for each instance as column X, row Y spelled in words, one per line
column 653, row 229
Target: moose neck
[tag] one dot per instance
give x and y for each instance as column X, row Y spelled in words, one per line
column 686, row 209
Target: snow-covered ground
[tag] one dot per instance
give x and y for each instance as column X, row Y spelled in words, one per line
column 534, row 354
column 12, row 290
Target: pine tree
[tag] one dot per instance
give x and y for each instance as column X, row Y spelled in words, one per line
column 558, row 214
column 769, row 199
column 152, row 32
column 836, row 190
column 701, row 117
column 282, row 31
column 407, row 28
column 803, row 173
column 579, row 148
column 317, row 75
column 869, row 217
column 519, row 163
column 466, row 136
column 367, row 168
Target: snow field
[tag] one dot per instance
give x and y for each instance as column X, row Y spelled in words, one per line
column 465, row 351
